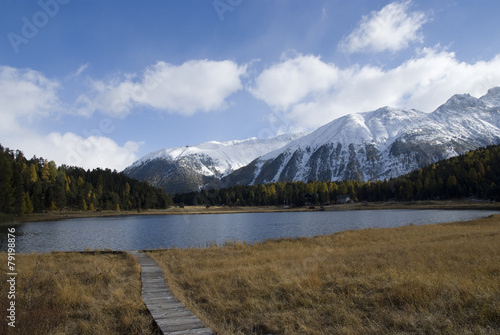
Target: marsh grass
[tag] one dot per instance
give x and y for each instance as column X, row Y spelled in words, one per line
column 435, row 279
column 77, row 293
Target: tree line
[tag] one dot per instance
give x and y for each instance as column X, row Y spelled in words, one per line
column 37, row 185
column 474, row 174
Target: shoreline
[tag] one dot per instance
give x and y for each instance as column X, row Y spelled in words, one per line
column 387, row 273
column 199, row 210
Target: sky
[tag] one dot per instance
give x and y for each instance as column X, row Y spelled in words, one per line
column 102, row 83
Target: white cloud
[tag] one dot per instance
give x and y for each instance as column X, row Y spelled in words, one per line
column 194, row 86
column 27, row 96
column 293, row 80
column 423, row 82
column 91, row 152
column 392, row 28
column 25, row 93
column 71, row 149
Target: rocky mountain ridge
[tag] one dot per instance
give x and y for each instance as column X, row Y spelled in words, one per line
column 381, row 144
column 189, row 168
column 375, row 145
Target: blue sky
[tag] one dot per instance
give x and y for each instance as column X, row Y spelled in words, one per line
column 102, row 83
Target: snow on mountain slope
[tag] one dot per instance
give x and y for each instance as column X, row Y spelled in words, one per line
column 188, row 168
column 220, row 158
column 492, row 98
column 380, row 126
column 381, row 144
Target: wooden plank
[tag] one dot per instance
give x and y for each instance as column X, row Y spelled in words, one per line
column 193, row 332
column 171, row 316
column 168, row 327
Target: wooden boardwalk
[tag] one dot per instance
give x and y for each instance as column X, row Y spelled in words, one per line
column 169, row 313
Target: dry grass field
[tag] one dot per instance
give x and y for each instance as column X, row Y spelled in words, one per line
column 435, row 279
column 76, row 293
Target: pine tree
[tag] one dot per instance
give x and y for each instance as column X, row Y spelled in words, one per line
column 44, row 171
column 37, row 197
column 33, row 175
column 342, row 189
column 27, row 205
column 18, row 189
column 452, row 187
column 6, row 189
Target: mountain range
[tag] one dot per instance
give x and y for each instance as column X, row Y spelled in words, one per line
column 189, row 168
column 376, row 145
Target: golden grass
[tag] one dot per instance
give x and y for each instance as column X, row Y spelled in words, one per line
column 435, row 279
column 77, row 293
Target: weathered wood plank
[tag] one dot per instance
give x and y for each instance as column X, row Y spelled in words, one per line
column 193, row 332
column 167, row 328
column 160, row 315
column 169, row 313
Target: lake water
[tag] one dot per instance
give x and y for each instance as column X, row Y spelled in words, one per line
column 181, row 231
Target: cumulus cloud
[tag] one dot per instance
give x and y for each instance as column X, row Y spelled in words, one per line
column 26, row 96
column 71, row 149
column 92, row 151
column 423, row 82
column 25, row 93
column 194, row 86
column 293, row 80
column 392, row 28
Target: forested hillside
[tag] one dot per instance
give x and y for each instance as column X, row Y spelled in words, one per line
column 474, row 174
column 36, row 185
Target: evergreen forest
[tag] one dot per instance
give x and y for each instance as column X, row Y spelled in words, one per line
column 37, row 185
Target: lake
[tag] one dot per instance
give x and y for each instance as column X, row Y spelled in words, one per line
column 182, row 231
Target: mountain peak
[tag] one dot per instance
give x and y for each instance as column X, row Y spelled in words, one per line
column 174, row 169
column 460, row 101
column 492, row 98
column 391, row 115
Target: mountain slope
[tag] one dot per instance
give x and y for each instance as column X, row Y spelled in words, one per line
column 381, row 144
column 189, row 168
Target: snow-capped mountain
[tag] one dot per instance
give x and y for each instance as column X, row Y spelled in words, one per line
column 188, row 168
column 381, row 144
column 375, row 145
